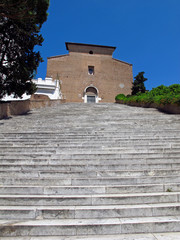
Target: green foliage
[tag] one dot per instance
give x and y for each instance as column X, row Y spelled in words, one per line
column 160, row 90
column 173, row 89
column 120, row 96
column 25, row 9
column 159, row 95
column 138, row 84
column 20, row 23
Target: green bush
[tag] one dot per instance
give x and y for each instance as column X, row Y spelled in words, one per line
column 120, row 97
column 159, row 95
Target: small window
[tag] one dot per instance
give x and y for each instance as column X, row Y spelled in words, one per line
column 91, row 70
column 90, row 52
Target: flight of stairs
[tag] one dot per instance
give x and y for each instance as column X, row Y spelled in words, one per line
column 90, row 171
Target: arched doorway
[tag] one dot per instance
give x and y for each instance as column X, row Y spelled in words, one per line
column 91, row 95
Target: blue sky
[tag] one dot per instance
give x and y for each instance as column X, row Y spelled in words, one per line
column 145, row 32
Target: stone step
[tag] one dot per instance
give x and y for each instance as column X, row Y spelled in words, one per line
column 14, row 165
column 134, row 136
column 74, row 227
column 83, row 155
column 108, row 163
column 114, row 147
column 95, row 149
column 86, row 212
column 98, row 127
column 98, row 141
column 83, row 200
column 89, row 159
column 91, row 155
column 94, row 142
column 140, row 236
column 86, row 130
column 138, row 188
column 58, row 181
column 86, row 173
column 150, row 143
column 78, row 165
column 89, row 133
column 88, row 190
column 126, row 153
column 125, row 180
column 118, row 172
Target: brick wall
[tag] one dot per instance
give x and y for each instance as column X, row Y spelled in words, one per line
column 111, row 76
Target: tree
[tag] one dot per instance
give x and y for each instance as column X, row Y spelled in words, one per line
column 20, row 24
column 138, row 84
column 15, row 9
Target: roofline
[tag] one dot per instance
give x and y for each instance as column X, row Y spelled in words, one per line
column 122, row 61
column 93, row 45
column 85, row 44
column 64, row 55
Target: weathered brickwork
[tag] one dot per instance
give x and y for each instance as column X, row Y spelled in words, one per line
column 90, row 65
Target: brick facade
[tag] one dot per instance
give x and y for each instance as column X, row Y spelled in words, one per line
column 90, row 66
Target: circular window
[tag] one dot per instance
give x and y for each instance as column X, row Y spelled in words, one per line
column 121, row 85
column 90, row 52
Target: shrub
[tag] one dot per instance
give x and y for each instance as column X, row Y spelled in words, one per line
column 159, row 95
column 120, row 97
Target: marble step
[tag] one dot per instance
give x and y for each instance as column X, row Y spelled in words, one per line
column 95, row 138
column 95, row 148
column 78, row 227
column 150, row 142
column 88, row 190
column 58, row 181
column 90, row 154
column 87, row 160
column 100, row 127
column 140, row 236
column 86, row 212
column 104, row 176
column 86, row 173
column 86, row 130
column 63, row 143
column 13, row 165
column 94, row 142
column 83, row 200
column 67, row 155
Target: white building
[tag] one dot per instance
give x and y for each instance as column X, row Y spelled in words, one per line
column 46, row 87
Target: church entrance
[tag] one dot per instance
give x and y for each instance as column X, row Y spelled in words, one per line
column 90, row 95
column 91, row 99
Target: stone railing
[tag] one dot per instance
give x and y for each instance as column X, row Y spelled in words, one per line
column 9, row 108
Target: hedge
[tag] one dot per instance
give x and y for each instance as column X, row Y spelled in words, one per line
column 160, row 95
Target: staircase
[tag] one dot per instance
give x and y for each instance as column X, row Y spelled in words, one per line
column 90, row 171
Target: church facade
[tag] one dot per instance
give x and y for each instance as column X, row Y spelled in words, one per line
column 89, row 73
